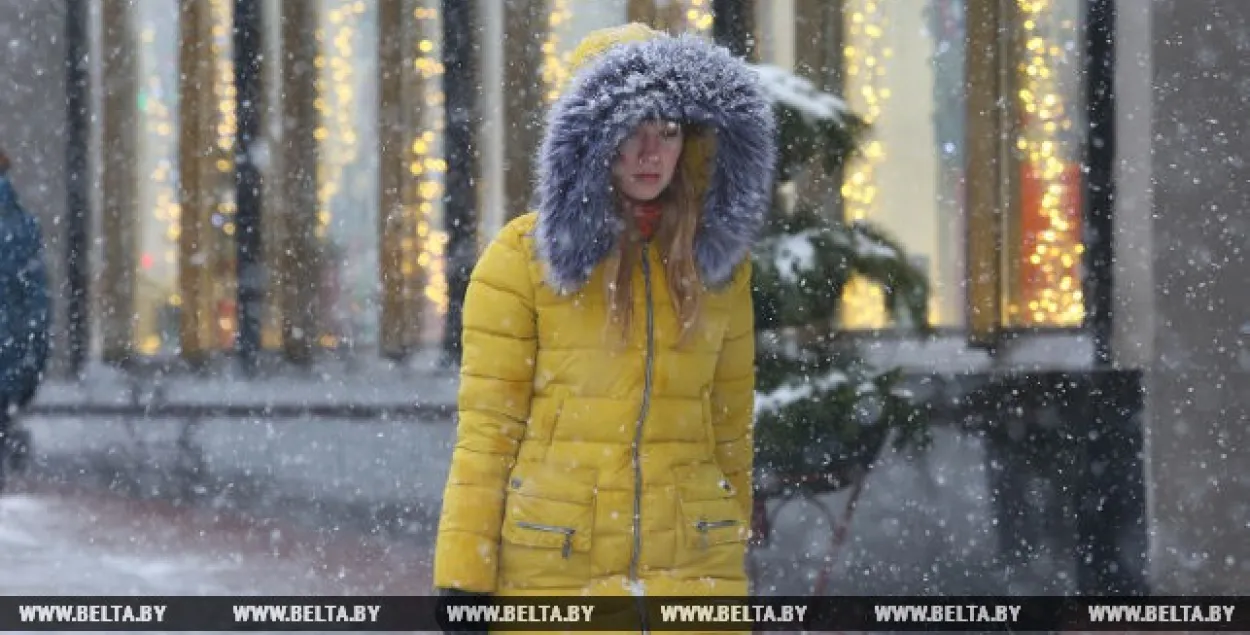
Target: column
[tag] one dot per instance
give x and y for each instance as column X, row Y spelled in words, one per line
column 1197, row 439
column 460, row 79
column 818, row 43
column 273, row 172
column 195, row 179
column 78, row 178
column 523, row 94
column 120, row 183
column 399, row 107
column 299, row 261
column 249, row 186
column 734, row 26
column 990, row 65
column 640, row 11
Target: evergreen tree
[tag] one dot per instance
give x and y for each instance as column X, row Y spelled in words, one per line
column 823, row 414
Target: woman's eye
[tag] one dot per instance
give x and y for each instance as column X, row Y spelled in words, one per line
column 670, row 130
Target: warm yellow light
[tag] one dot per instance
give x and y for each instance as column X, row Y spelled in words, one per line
column 424, row 259
column 866, row 52
column 699, row 17
column 165, row 210
column 555, row 66
column 1059, row 245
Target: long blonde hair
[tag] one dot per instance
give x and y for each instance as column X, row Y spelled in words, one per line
column 682, row 203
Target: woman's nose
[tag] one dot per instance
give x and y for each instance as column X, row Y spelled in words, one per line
column 649, row 150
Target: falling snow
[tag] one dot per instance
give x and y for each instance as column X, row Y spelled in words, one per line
column 320, row 468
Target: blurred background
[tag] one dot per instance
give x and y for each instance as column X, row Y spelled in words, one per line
column 260, row 217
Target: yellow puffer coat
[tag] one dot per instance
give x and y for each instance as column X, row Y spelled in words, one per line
column 582, row 466
column 579, row 467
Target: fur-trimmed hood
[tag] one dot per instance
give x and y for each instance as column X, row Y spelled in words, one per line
column 680, row 78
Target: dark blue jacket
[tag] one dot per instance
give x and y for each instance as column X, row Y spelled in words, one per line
column 25, row 307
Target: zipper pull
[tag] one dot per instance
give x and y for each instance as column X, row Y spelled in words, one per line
column 704, row 525
column 568, row 545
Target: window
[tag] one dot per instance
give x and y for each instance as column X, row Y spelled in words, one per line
column 996, row 226
column 156, row 228
column 1044, row 288
column 903, row 71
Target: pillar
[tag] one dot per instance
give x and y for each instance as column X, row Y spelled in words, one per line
column 119, row 181
column 299, row 259
column 640, row 11
column 1197, row 405
column 273, row 172
column 733, row 26
column 989, row 140
column 249, row 187
column 399, row 108
column 195, row 194
column 460, row 90
column 818, row 43
column 525, row 21
column 77, row 179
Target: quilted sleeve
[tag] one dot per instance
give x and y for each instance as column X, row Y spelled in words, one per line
column 733, row 392
column 496, row 380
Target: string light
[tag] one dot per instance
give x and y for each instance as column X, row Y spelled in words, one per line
column 221, row 12
column 1053, row 297
column 335, row 106
column 556, row 64
column 158, row 123
column 867, row 55
column 699, row 16
column 428, row 166
column 218, row 189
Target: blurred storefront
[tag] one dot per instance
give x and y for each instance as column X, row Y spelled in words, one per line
column 169, row 287
column 377, row 129
column 1052, row 164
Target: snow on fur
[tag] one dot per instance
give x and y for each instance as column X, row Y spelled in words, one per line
column 682, row 78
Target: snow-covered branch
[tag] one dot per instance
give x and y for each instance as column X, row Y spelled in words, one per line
column 798, row 93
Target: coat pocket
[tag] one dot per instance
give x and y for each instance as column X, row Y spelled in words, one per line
column 709, row 513
column 548, row 526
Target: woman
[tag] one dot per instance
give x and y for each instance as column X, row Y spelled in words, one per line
column 604, row 442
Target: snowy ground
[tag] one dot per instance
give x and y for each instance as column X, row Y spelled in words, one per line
column 383, row 475
column 922, row 527
column 296, row 507
column 56, row 540
column 62, row 541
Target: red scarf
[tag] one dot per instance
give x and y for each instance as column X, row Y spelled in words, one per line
column 647, row 218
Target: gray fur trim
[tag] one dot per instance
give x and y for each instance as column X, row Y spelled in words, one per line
column 683, row 78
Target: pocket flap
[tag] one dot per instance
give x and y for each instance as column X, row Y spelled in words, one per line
column 710, row 512
column 702, row 482
column 551, row 508
column 556, row 483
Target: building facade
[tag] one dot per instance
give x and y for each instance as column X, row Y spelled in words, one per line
column 1067, row 171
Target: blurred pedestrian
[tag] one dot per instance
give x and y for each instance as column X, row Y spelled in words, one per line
column 606, row 392
column 24, row 314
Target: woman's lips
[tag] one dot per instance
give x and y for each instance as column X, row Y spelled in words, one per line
column 648, row 178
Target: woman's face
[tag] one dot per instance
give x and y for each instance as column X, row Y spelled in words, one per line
column 646, row 161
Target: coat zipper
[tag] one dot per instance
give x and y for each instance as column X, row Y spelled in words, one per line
column 642, row 416
column 704, row 525
column 566, row 531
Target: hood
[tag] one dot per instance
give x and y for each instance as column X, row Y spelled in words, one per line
column 681, row 78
